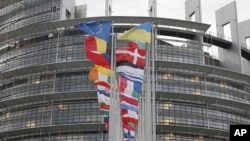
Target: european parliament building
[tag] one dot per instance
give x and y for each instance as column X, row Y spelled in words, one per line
column 46, row 95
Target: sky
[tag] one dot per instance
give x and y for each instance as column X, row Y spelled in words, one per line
column 165, row 9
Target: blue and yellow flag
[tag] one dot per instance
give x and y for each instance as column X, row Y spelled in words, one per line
column 141, row 33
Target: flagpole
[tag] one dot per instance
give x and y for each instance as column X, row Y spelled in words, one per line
column 120, row 125
column 141, row 124
column 114, row 113
column 119, row 134
column 154, row 42
column 148, row 121
column 111, row 108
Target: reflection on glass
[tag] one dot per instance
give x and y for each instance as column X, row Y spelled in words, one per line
column 168, row 136
column 168, row 120
column 167, row 106
column 7, row 115
column 30, row 124
column 195, row 79
column 62, row 106
column 200, row 138
column 223, row 84
column 197, row 92
column 166, row 75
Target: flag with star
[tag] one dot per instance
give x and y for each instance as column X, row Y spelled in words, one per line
column 100, row 29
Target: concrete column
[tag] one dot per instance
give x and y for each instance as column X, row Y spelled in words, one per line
column 244, row 32
column 108, row 8
column 229, row 58
column 152, row 8
column 193, row 7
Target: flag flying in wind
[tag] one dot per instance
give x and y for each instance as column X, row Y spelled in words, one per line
column 104, row 109
column 95, row 44
column 130, row 62
column 103, row 99
column 103, row 88
column 103, row 70
column 127, row 106
column 134, row 55
column 129, row 99
column 98, row 58
column 138, row 44
column 129, row 132
column 140, row 33
column 129, row 85
column 100, row 29
column 132, row 77
column 129, row 116
column 103, row 92
column 125, row 66
column 94, row 74
column 96, row 49
column 102, row 83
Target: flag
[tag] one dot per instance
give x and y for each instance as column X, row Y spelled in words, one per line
column 103, row 93
column 103, row 70
column 128, row 86
column 125, row 66
column 127, row 106
column 129, row 99
column 94, row 74
column 129, row 132
column 98, row 58
column 107, row 126
column 102, row 83
column 129, row 120
column 103, row 88
column 104, row 111
column 133, row 55
column 130, row 92
column 138, row 44
column 139, row 33
column 100, row 29
column 103, row 99
column 132, row 77
column 106, row 117
column 125, row 112
column 104, row 106
column 95, row 44
column 129, row 116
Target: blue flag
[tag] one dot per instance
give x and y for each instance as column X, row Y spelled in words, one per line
column 100, row 29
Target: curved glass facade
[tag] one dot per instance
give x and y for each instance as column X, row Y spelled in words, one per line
column 26, row 12
column 45, row 93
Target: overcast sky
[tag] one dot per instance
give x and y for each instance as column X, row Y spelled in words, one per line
column 166, row 8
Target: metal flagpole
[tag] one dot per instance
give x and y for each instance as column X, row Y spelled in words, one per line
column 145, row 113
column 118, row 123
column 111, row 108
column 154, row 42
column 113, row 92
column 111, row 117
column 148, row 115
column 115, row 134
column 141, row 125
